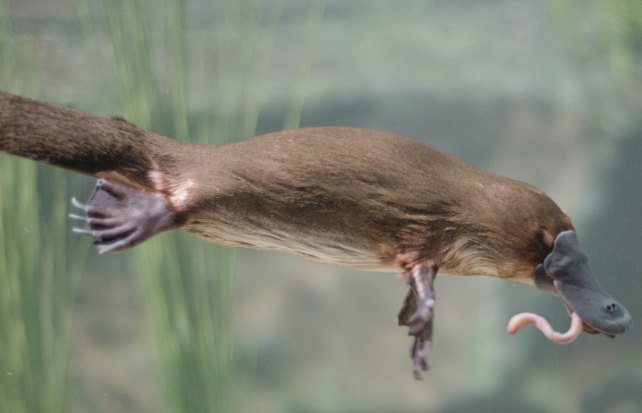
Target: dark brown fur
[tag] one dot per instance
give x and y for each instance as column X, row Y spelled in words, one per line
column 348, row 197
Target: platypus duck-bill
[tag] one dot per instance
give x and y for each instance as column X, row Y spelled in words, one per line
column 348, row 197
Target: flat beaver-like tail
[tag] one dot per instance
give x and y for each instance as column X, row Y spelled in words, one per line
column 78, row 141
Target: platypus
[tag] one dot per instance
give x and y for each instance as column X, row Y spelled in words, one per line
column 348, row 197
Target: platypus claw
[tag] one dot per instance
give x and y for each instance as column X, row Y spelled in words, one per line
column 79, row 206
column 419, row 350
column 418, row 353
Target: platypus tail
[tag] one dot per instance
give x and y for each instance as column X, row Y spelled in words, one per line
column 80, row 142
column 128, row 205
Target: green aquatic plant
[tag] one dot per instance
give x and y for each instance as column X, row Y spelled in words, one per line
column 620, row 24
column 297, row 98
column 188, row 284
column 39, row 266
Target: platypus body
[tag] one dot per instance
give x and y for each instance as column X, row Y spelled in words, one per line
column 348, row 197
column 365, row 200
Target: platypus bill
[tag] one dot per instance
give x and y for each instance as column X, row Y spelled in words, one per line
column 348, row 197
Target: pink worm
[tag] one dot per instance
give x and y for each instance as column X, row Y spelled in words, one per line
column 520, row 320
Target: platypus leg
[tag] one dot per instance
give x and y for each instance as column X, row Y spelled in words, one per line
column 417, row 314
column 120, row 216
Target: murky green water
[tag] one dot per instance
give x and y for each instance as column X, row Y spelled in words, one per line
column 545, row 93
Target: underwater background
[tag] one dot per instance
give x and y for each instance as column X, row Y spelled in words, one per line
column 549, row 93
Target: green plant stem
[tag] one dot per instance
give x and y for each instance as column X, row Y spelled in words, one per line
column 295, row 105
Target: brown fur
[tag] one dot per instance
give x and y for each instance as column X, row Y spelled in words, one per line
column 349, row 197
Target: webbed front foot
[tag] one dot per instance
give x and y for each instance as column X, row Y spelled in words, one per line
column 417, row 314
column 120, row 216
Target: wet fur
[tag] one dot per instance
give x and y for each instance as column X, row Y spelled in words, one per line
column 348, row 197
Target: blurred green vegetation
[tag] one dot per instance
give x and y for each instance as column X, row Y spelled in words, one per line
column 620, row 22
column 40, row 265
column 405, row 65
column 188, row 284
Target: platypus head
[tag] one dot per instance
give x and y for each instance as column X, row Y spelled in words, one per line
column 565, row 273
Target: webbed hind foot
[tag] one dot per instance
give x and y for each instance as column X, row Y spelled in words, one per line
column 417, row 314
column 120, row 216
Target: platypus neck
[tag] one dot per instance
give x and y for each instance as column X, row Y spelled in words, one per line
column 511, row 229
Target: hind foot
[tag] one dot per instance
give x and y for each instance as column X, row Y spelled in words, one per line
column 120, row 216
column 417, row 314
column 422, row 337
